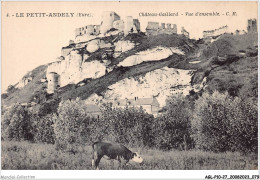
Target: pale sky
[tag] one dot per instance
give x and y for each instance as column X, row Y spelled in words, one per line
column 28, row 42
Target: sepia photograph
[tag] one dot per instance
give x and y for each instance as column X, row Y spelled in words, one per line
column 130, row 86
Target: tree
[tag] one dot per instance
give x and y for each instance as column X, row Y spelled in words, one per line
column 68, row 127
column 16, row 124
column 224, row 123
column 172, row 130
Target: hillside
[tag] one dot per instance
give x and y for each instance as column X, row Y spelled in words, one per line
column 137, row 61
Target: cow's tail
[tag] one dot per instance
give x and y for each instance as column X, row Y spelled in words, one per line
column 93, row 145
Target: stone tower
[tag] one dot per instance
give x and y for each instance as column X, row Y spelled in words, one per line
column 131, row 25
column 251, row 26
column 108, row 17
column 53, row 82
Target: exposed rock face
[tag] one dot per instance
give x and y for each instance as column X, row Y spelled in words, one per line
column 123, row 46
column 74, row 70
column 96, row 44
column 84, row 38
column 93, row 45
column 23, row 82
column 155, row 54
column 160, row 83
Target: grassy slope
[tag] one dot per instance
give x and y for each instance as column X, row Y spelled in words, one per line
column 24, row 155
column 226, row 68
column 25, row 94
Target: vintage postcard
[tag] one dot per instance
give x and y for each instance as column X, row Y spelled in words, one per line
column 129, row 87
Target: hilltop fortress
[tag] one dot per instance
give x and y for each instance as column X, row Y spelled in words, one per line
column 112, row 24
column 74, row 65
column 110, row 21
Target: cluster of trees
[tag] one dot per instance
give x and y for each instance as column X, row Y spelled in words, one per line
column 214, row 122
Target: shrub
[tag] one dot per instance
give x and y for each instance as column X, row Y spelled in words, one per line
column 131, row 126
column 16, row 124
column 43, row 128
column 68, row 127
column 172, row 130
column 243, row 127
column 223, row 123
column 48, row 107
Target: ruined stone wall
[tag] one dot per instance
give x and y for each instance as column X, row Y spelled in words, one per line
column 88, row 30
column 152, row 25
column 154, row 28
column 185, row 33
column 240, row 32
column 137, row 25
column 215, row 32
column 131, row 25
column 251, row 26
column 108, row 17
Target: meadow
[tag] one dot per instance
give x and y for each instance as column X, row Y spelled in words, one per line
column 30, row 156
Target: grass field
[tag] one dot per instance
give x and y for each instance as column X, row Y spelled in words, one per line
column 28, row 156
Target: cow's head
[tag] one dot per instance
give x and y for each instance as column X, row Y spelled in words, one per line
column 137, row 158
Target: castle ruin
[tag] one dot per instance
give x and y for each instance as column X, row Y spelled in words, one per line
column 154, row 28
column 251, row 26
column 215, row 32
column 185, row 33
column 109, row 21
column 88, row 30
column 108, row 17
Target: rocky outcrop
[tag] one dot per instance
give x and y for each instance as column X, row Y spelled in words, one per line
column 155, row 54
column 159, row 83
column 123, row 46
column 73, row 69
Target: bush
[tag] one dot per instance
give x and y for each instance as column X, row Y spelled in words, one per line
column 68, row 127
column 43, row 128
column 16, row 124
column 243, row 127
column 223, row 123
column 172, row 130
column 131, row 126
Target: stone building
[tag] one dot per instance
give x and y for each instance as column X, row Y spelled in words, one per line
column 251, row 26
column 93, row 110
column 150, row 105
column 154, row 28
column 185, row 33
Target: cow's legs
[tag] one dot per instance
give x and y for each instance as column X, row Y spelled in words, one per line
column 97, row 162
column 93, row 159
column 119, row 165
